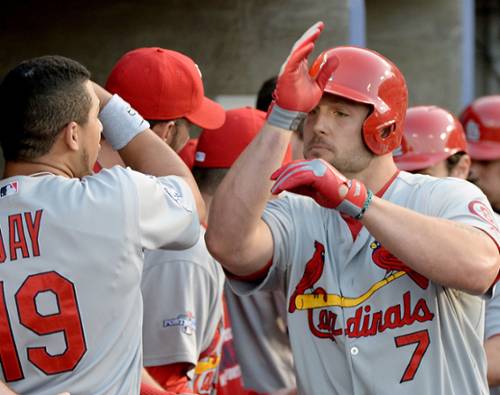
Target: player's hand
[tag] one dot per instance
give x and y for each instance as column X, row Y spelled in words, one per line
column 321, row 181
column 296, row 88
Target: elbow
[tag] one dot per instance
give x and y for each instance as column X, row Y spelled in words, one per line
column 217, row 247
column 486, row 274
column 225, row 250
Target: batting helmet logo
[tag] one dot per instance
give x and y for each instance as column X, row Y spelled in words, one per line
column 473, row 133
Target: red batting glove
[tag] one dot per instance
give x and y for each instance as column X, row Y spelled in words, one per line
column 321, row 181
column 297, row 91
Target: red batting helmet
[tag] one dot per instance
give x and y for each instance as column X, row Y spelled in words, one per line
column 481, row 120
column 365, row 76
column 431, row 134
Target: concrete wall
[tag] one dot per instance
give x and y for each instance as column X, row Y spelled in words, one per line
column 237, row 43
column 424, row 38
column 487, row 47
column 240, row 43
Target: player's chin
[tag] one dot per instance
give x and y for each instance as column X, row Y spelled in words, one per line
column 319, row 153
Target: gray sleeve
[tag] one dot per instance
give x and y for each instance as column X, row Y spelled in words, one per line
column 167, row 212
column 492, row 319
column 278, row 217
column 461, row 201
column 181, row 306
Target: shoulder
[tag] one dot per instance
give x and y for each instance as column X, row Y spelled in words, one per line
column 425, row 184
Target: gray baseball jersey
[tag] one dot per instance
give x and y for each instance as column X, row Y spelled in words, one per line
column 261, row 339
column 72, row 257
column 360, row 321
column 182, row 293
column 492, row 327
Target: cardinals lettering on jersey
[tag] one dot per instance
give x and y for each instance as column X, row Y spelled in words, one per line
column 364, row 322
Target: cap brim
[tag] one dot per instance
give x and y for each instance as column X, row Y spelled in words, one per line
column 484, row 150
column 412, row 162
column 210, row 115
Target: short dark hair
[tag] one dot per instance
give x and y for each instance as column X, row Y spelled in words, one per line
column 37, row 99
column 453, row 160
column 265, row 95
column 209, row 178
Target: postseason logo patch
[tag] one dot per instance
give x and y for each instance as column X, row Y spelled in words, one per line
column 187, row 323
column 10, row 189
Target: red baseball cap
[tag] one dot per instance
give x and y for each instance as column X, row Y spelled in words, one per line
column 164, row 85
column 188, row 151
column 221, row 147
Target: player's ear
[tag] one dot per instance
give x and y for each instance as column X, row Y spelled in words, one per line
column 70, row 136
column 462, row 168
column 165, row 130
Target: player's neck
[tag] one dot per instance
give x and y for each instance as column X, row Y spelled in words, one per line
column 33, row 168
column 376, row 176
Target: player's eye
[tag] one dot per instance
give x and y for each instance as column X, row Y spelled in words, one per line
column 314, row 111
column 341, row 113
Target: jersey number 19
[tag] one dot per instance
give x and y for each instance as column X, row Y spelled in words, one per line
column 66, row 321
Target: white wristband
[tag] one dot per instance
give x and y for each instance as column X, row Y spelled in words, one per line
column 121, row 122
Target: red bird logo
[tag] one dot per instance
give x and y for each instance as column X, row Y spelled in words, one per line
column 312, row 273
column 389, row 262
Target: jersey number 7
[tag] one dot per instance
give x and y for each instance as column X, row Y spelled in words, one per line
column 66, row 321
column 421, row 339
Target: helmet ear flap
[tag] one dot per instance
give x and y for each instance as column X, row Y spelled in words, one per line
column 387, row 130
column 381, row 138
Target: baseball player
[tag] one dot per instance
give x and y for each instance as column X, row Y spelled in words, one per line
column 72, row 243
column 433, row 143
column 380, row 285
column 183, row 339
column 258, row 321
column 481, row 120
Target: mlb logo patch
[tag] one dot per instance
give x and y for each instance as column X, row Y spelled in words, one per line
column 10, row 189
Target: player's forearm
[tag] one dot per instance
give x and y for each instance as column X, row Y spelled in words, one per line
column 448, row 253
column 148, row 154
column 492, row 347
column 240, row 199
